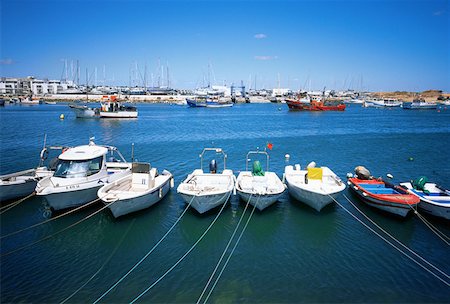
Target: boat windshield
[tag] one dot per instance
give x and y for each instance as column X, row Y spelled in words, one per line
column 78, row 168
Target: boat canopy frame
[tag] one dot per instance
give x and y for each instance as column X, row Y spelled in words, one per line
column 247, row 159
column 218, row 151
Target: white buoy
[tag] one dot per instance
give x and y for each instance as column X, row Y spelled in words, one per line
column 287, row 156
column 61, row 116
column 389, row 175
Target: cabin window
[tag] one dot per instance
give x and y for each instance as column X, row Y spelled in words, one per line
column 78, row 168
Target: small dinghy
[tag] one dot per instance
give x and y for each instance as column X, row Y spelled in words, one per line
column 206, row 191
column 434, row 199
column 139, row 190
column 380, row 194
column 20, row 184
column 259, row 187
column 316, row 187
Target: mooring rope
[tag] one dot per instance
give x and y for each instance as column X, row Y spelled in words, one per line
column 59, row 231
column 14, row 204
column 232, row 251
column 433, row 229
column 392, row 244
column 50, row 219
column 184, row 255
column 225, row 250
column 147, row 254
column 103, row 265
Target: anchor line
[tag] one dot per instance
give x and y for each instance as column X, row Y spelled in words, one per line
column 50, row 219
column 225, row 250
column 400, row 243
column 59, row 231
column 184, row 255
column 232, row 251
column 392, row 244
column 433, row 229
column 14, row 204
column 146, row 255
column 103, row 265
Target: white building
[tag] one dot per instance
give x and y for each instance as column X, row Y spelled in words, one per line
column 30, row 85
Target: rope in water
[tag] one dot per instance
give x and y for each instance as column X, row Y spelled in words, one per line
column 390, row 243
column 225, row 250
column 14, row 204
column 400, row 243
column 147, row 254
column 59, row 231
column 184, row 255
column 433, row 229
column 50, row 219
column 232, row 251
column 103, row 265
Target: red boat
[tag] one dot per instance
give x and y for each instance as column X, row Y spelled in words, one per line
column 313, row 104
column 382, row 195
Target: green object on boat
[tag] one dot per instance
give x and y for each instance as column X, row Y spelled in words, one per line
column 419, row 184
column 257, row 170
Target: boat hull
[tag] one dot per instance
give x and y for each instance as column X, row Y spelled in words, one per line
column 302, row 106
column 315, row 200
column 20, row 188
column 375, row 194
column 119, row 114
column 261, row 201
column 204, row 203
column 70, row 199
column 123, row 207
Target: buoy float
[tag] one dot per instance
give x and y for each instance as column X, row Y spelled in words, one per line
column 287, row 156
column 61, row 116
column 410, row 159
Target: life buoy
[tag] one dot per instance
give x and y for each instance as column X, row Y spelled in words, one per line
column 44, row 154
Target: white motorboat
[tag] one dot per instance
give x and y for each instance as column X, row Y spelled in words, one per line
column 434, row 200
column 20, row 184
column 259, row 187
column 140, row 189
column 316, row 187
column 80, row 172
column 29, row 101
column 205, row 191
column 114, row 109
column 382, row 102
column 84, row 111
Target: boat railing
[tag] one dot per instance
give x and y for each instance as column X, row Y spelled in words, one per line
column 257, row 152
column 218, row 151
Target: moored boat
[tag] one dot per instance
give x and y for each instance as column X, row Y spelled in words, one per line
column 205, row 191
column 419, row 104
column 80, row 172
column 434, row 199
column 314, row 103
column 198, row 101
column 111, row 108
column 259, row 187
column 140, row 189
column 316, row 187
column 380, row 194
column 84, row 111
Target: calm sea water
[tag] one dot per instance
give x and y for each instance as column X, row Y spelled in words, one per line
column 288, row 253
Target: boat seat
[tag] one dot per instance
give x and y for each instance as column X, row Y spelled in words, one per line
column 143, row 181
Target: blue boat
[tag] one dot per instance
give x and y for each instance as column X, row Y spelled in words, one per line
column 198, row 101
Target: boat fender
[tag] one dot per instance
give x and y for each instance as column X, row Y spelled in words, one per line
column 172, row 183
column 311, row 165
column 306, row 178
column 213, row 166
column 160, row 193
column 44, row 154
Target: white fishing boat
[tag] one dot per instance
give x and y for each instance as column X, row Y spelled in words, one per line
column 29, row 101
column 80, row 172
column 111, row 108
column 316, row 187
column 140, row 189
column 205, row 191
column 382, row 103
column 434, row 199
column 259, row 187
column 84, row 111
column 20, row 184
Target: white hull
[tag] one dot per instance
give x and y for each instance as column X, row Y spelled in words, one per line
column 434, row 205
column 70, row 199
column 206, row 191
column 84, row 113
column 261, row 191
column 119, row 114
column 22, row 187
column 315, row 193
column 124, row 202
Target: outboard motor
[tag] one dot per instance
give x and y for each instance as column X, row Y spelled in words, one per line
column 362, row 173
column 213, row 166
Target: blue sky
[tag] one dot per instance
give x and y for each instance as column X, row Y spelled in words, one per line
column 385, row 45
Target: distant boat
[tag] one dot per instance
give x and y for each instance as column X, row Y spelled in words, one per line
column 316, row 187
column 50, row 102
column 258, row 187
column 382, row 103
column 314, row 103
column 139, row 190
column 84, row 111
column 419, row 104
column 380, row 194
column 198, row 101
column 111, row 108
column 205, row 191
column 434, row 199
column 218, row 103
column 29, row 101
